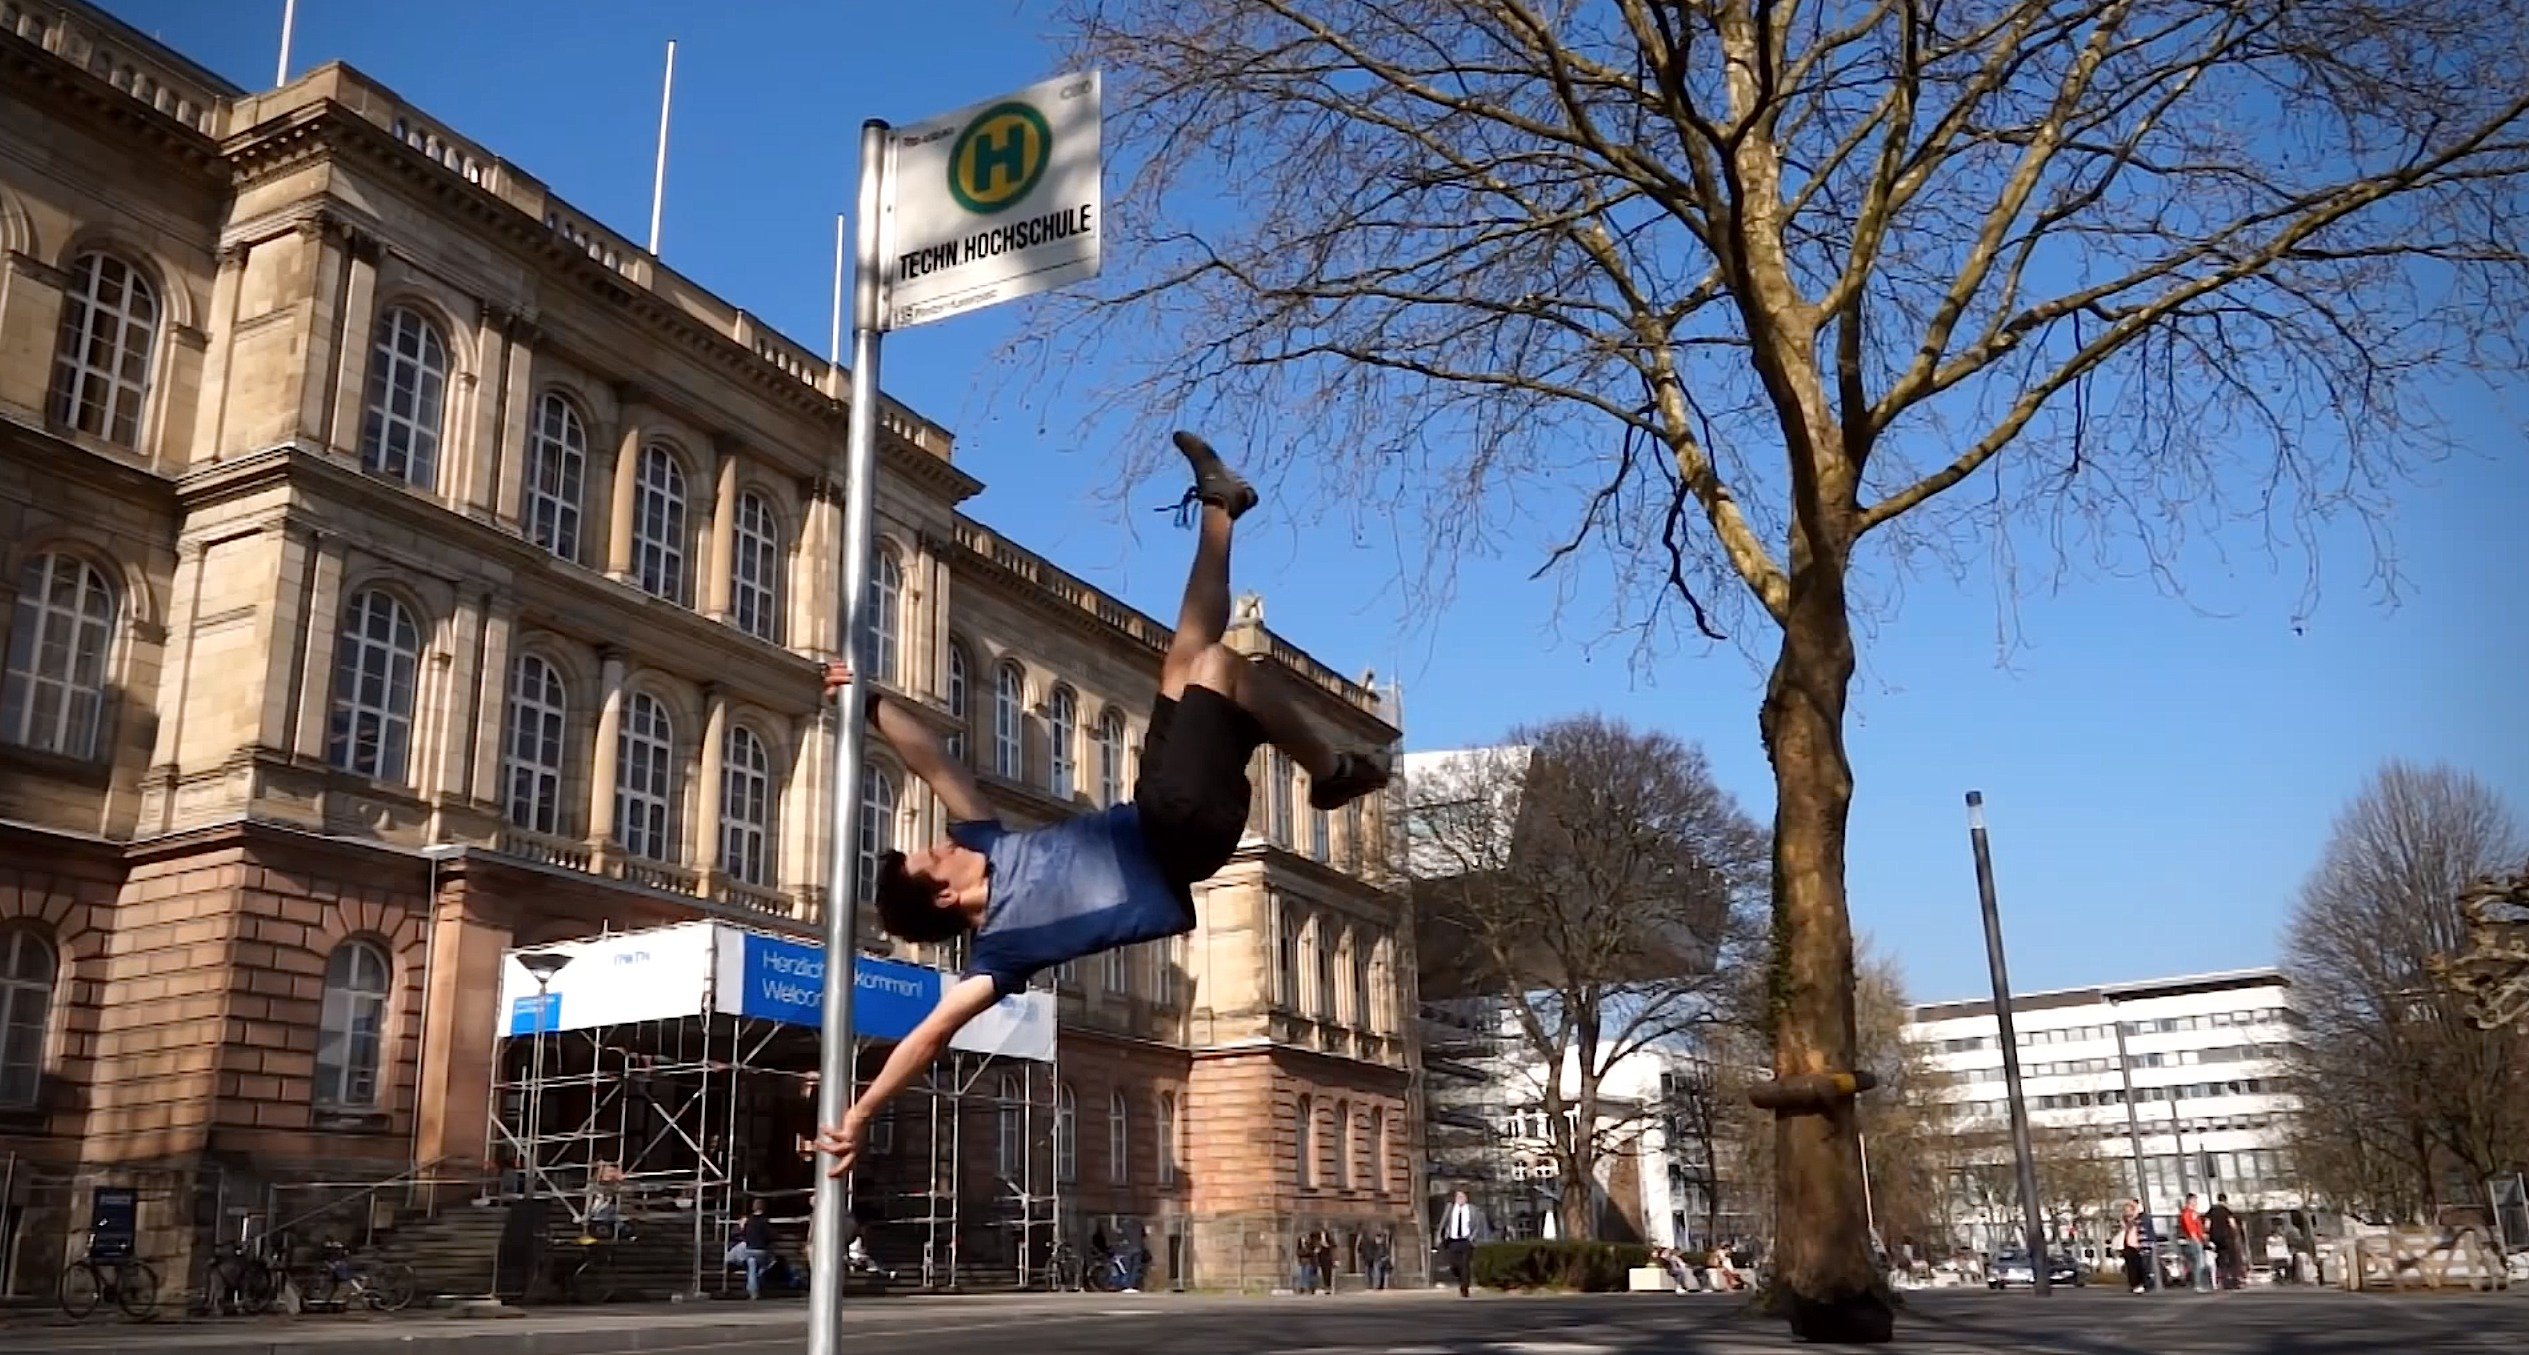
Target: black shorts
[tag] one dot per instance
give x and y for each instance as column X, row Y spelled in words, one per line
column 1193, row 793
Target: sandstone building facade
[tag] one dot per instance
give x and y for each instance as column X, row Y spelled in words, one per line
column 397, row 567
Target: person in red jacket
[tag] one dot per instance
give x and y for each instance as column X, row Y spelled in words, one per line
column 2191, row 1235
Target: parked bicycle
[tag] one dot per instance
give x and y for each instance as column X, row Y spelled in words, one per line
column 131, row 1283
column 583, row 1269
column 240, row 1282
column 342, row 1279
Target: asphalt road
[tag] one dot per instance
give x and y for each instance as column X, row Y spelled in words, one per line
column 1937, row 1323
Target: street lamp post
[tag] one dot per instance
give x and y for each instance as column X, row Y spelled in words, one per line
column 2035, row 1230
column 542, row 965
column 2134, row 1147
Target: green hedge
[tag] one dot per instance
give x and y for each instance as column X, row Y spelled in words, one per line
column 1589, row 1267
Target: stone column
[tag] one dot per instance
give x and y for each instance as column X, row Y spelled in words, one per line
column 716, row 560
column 601, row 762
column 451, row 1107
column 473, row 462
column 629, row 434
column 314, row 678
column 517, row 422
column 819, row 607
column 707, row 826
column 30, row 329
column 347, row 378
column 210, row 421
column 806, row 806
column 490, row 730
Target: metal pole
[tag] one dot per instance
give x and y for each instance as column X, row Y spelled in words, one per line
column 658, row 173
column 842, row 901
column 535, row 1083
column 2134, row 1146
column 2036, row 1230
column 289, row 24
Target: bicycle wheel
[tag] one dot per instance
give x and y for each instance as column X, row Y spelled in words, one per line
column 136, row 1289
column 256, row 1287
column 391, row 1287
column 79, row 1288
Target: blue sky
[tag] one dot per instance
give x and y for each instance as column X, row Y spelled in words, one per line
column 2159, row 773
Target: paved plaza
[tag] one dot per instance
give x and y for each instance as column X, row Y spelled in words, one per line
column 2088, row 1322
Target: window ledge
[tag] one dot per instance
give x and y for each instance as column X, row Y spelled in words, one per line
column 92, row 773
column 346, row 1119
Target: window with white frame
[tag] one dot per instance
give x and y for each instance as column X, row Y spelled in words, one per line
column 1278, row 775
column 408, row 397
column 1110, row 755
column 1325, row 954
column 882, row 619
column 539, row 709
column 1119, row 1140
column 556, row 475
column 645, row 779
column 28, row 971
column 1321, row 834
column 377, row 654
column 101, row 361
column 1062, row 728
column 746, row 807
column 1305, row 1146
column 1118, row 975
column 351, row 1027
column 958, row 709
column 755, row 569
column 1009, row 707
column 1066, row 1135
column 658, row 524
column 53, row 696
column 1010, row 1142
column 878, row 825
column 1165, row 1140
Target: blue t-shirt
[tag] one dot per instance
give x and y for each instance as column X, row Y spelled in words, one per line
column 1069, row 889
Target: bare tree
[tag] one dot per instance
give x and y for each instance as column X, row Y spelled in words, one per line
column 1747, row 286
column 2397, row 1082
column 1586, row 876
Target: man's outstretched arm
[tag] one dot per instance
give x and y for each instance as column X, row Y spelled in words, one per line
column 960, row 1004
column 923, row 753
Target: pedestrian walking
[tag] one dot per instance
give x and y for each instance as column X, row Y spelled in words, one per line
column 2192, row 1237
column 2230, row 1244
column 2133, row 1237
column 1461, row 1227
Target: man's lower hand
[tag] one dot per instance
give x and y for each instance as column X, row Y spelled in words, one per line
column 843, row 1142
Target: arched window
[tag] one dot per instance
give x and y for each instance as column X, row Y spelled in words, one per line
column 755, row 569
column 1306, row 1144
column 957, row 704
column 1119, row 1140
column 1009, row 700
column 1166, row 1138
column 53, row 698
column 376, row 655
column 1325, row 949
column 408, row 396
column 557, row 468
column 28, row 969
column 1119, row 971
column 645, row 778
column 1066, row 1136
column 746, row 808
column 1359, row 970
column 882, row 619
column 109, row 327
column 1110, row 754
column 1278, row 796
column 1062, row 727
column 1010, row 1144
column 1382, row 1019
column 1286, row 954
column 658, row 525
column 1343, row 1145
column 878, row 825
column 351, row 1032
column 1378, row 1152
column 538, row 711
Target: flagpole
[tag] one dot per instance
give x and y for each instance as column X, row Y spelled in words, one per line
column 289, row 21
column 658, row 175
column 835, row 1062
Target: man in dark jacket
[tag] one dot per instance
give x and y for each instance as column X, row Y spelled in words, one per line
column 2230, row 1244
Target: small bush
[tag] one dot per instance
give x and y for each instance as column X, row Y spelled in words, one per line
column 1589, row 1267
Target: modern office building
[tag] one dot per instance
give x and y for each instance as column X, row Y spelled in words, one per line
column 2196, row 1065
column 399, row 567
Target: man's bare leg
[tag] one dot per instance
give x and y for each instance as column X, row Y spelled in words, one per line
column 1203, row 616
column 1263, row 693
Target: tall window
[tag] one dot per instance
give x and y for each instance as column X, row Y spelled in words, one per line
column 53, row 697
column 351, row 1033
column 882, row 619
column 746, row 808
column 1377, row 1181
column 109, row 324
column 1062, row 726
column 878, row 825
column 1066, row 1135
column 1306, row 1144
column 1321, row 834
column 557, row 467
column 376, row 655
column 957, row 705
column 1325, row 949
column 1009, row 697
column 538, row 709
column 1110, row 753
column 1278, row 796
column 1166, row 1138
column 1119, row 970
column 27, row 971
column 1343, row 1145
column 1286, row 954
column 1382, row 1019
column 1119, row 1140
column 755, row 569
column 645, row 778
column 408, row 396
column 1360, row 967
column 1010, row 1143
column 658, row 525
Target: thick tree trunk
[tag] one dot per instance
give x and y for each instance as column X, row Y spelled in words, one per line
column 1826, row 1284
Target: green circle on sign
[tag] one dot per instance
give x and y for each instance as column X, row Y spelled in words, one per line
column 999, row 157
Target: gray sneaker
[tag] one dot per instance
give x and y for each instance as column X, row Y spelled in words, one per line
column 1357, row 772
column 1214, row 482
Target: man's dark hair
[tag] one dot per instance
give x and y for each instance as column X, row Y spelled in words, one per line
column 905, row 906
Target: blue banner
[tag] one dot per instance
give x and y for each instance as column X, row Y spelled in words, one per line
column 535, row 1016
column 785, row 981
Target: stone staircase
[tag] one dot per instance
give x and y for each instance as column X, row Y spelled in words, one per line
column 458, row 1253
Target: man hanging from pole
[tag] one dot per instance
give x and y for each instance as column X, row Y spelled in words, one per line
column 1038, row 898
